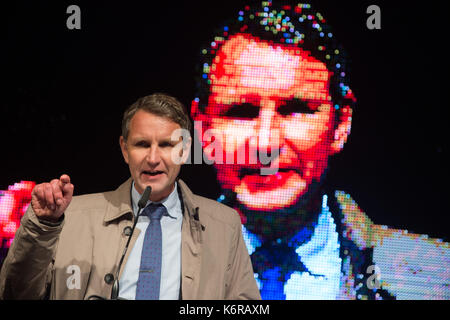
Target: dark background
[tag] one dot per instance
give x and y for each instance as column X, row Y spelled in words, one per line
column 64, row 91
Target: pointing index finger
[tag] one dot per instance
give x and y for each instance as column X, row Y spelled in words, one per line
column 65, row 179
column 66, row 187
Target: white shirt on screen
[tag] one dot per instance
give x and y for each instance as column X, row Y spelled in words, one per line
column 320, row 255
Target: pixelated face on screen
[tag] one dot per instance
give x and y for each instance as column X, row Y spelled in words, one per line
column 266, row 95
column 261, row 94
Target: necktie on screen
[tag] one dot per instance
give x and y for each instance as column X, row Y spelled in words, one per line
column 274, row 263
column 150, row 270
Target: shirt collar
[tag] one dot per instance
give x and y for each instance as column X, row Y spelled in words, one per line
column 321, row 246
column 170, row 202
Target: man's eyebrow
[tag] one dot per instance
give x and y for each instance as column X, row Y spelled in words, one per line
column 137, row 139
column 143, row 139
column 307, row 100
column 171, row 141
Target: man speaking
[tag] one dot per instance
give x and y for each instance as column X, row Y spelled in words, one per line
column 150, row 239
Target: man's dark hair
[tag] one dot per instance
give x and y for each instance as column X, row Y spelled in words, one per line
column 158, row 104
column 298, row 25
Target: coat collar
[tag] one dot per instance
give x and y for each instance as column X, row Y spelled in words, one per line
column 119, row 201
column 189, row 200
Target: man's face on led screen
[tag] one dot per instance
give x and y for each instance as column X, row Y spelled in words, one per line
column 265, row 94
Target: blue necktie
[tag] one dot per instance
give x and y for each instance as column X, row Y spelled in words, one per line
column 274, row 263
column 150, row 270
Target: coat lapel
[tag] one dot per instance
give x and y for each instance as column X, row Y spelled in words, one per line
column 119, row 204
column 357, row 235
column 191, row 245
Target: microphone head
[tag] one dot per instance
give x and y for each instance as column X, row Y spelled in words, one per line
column 115, row 290
column 145, row 196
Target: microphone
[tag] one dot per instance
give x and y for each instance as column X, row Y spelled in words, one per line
column 141, row 205
column 144, row 198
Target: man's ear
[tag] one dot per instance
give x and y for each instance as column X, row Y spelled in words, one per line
column 343, row 130
column 123, row 147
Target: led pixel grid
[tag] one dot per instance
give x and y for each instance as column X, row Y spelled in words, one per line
column 13, row 204
column 276, row 75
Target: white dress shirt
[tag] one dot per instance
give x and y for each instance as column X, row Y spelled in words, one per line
column 320, row 255
column 171, row 250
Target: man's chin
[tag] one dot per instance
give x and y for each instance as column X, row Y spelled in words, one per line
column 282, row 213
column 156, row 183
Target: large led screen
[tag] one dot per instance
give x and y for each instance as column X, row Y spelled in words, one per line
column 273, row 105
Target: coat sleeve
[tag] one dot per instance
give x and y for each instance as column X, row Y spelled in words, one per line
column 242, row 284
column 26, row 271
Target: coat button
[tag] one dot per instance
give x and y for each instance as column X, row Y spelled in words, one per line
column 127, row 231
column 109, row 278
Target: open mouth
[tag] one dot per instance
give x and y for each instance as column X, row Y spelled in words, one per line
column 256, row 182
column 152, row 173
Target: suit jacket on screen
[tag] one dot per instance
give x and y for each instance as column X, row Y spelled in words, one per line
column 410, row 266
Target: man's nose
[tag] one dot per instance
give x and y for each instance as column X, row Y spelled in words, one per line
column 267, row 129
column 153, row 156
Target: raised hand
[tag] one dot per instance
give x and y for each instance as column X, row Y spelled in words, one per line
column 49, row 200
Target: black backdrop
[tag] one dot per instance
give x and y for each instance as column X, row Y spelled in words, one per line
column 64, row 91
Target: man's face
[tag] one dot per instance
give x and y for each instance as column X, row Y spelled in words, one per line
column 262, row 94
column 149, row 152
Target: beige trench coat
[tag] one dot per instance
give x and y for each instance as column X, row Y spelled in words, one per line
column 44, row 260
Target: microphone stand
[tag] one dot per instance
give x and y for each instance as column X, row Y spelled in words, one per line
column 115, row 288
